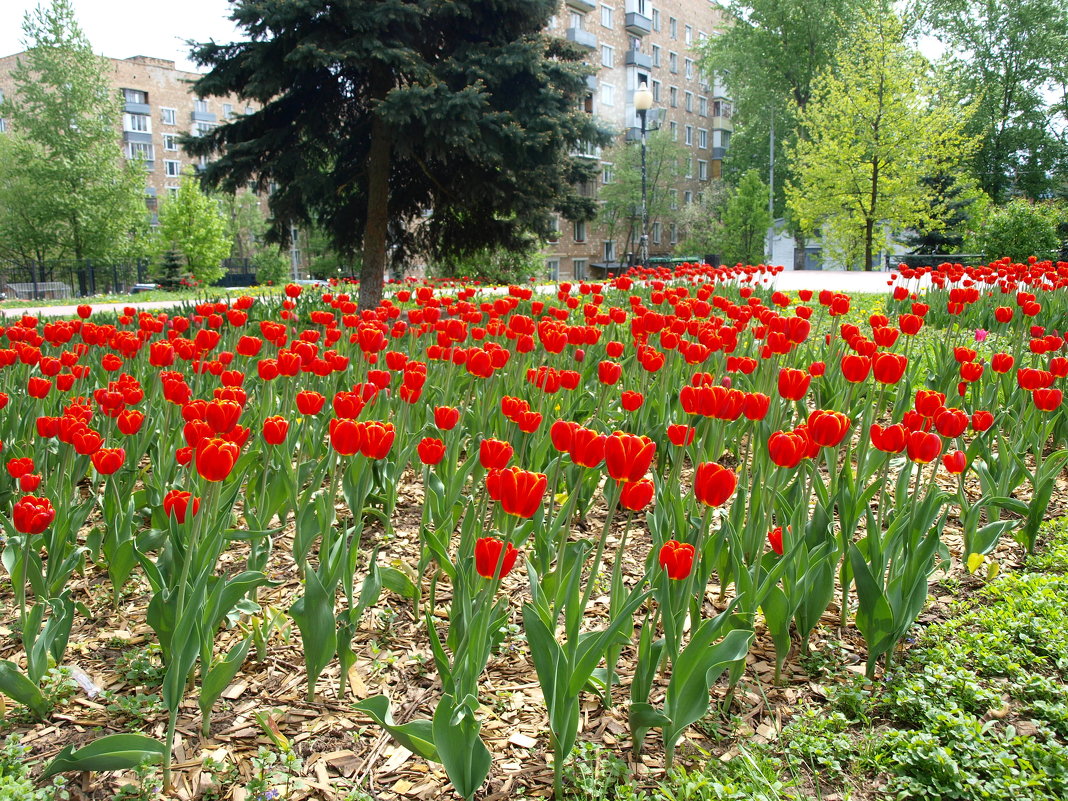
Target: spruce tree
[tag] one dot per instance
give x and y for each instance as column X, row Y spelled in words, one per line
column 403, row 127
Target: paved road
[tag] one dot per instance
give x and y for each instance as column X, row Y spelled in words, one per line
column 787, row 281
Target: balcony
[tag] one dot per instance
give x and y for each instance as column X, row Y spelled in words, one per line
column 202, row 116
column 582, row 38
column 719, row 153
column 581, row 5
column 637, row 24
column 633, row 135
column 591, row 83
column 137, row 136
column 137, row 108
column 721, row 124
column 636, row 58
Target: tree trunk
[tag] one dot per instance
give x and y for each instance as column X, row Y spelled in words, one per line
column 869, row 228
column 373, row 271
column 799, row 251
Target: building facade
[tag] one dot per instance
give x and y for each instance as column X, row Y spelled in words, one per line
column 159, row 106
column 631, row 42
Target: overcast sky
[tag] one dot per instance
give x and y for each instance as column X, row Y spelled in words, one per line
column 155, row 28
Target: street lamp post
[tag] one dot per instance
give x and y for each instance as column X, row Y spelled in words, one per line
column 643, row 101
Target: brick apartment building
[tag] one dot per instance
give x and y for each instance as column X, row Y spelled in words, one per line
column 630, row 42
column 158, row 107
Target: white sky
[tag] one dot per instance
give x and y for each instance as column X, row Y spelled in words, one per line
column 120, row 29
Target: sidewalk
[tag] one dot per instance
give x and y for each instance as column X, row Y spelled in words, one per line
column 787, row 281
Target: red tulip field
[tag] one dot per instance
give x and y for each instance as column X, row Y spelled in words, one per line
column 444, row 543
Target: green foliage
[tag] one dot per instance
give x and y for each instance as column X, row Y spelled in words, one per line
column 875, row 129
column 1019, row 229
column 750, row 776
column 16, row 784
column 145, row 787
column 273, row 265
column 1003, row 56
column 142, row 666
column 65, row 190
column 497, row 266
column 745, row 222
column 171, row 270
column 621, row 199
column 819, row 742
column 480, row 134
column 594, row 773
column 193, row 224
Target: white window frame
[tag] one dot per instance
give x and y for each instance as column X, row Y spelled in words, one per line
column 673, row 194
column 609, row 250
column 656, row 233
column 200, row 105
column 688, row 34
column 607, row 173
column 689, row 102
column 579, row 231
column 608, row 94
column 656, row 20
column 674, row 127
column 688, row 135
column 578, row 268
column 137, row 123
column 552, row 269
column 656, row 91
column 172, row 191
column 168, row 116
column 702, row 105
column 172, row 164
column 674, row 229
column 687, row 197
column 689, row 166
column 673, row 62
column 673, row 28
column 608, row 56
column 689, row 68
column 702, row 170
column 606, row 16
column 227, row 110
column 656, row 55
column 170, row 142
column 140, row 149
column 673, row 96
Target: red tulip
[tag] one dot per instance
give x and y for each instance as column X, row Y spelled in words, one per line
column 520, row 492
column 38, row 387
column 787, row 449
column 446, row 417
column 713, row 484
column 955, row 462
column 129, row 421
column 85, row 440
column 587, row 447
column 310, row 403
column 275, row 430
column 951, row 423
column 608, row 373
column 793, row 384
column 855, row 368
column 431, row 451
column 30, row 482
column 929, row 403
column 627, row 457
column 561, row 433
column 981, row 420
column 775, row 539
column 488, row 557
column 377, row 439
column 636, row 495
column 632, row 400
column 681, row 435
column 19, row 467
column 1047, row 400
column 215, row 458
column 923, row 447
column 677, row 559
column 888, row 368
column 494, row 453
column 826, row 428
column 891, row 439
column 32, row 515
column 1002, row 362
column 108, row 460
column 346, row 436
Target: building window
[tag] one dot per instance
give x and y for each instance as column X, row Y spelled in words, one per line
column 689, row 167
column 170, row 142
column 656, row 233
column 228, row 110
column 656, row 91
column 135, row 96
column 702, row 170
column 580, row 231
column 606, row 174
column 689, row 68
column 249, row 110
column 3, row 125
column 578, row 21
column 143, row 150
column 687, row 197
column 136, row 122
column 656, row 55
column 172, row 169
column 674, row 233
column 673, row 28
column 172, row 191
column 702, row 138
column 674, row 126
column 689, row 102
column 200, row 105
column 608, row 54
column 656, row 19
column 579, row 266
column 674, row 194
column 673, row 62
column 607, row 94
column 702, row 106
column 689, row 135
column 700, row 197
column 689, row 34
column 606, row 16
column 168, row 116
column 609, row 250
column 202, row 129
column 552, row 269
column 673, row 94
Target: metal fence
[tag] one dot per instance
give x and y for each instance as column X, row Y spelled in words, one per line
column 64, row 279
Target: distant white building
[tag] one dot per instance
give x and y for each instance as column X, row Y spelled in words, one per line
column 784, row 246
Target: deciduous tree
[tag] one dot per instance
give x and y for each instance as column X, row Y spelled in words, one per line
column 192, row 224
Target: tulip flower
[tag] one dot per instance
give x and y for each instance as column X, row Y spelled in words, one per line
column 108, row 460
column 627, row 457
column 982, row 420
column 855, row 368
column 129, row 421
column 955, row 462
column 30, row 482
column 787, row 449
column 17, row 468
column 775, row 539
column 826, row 428
column 888, row 368
column 929, row 402
column 519, row 492
column 636, row 495
column 923, row 447
column 377, row 439
column 951, row 423
column 632, row 400
column 561, row 433
column 609, row 373
column 713, row 484
column 488, row 556
column 310, row 403
column 431, row 451
column 891, row 439
column 346, row 436
column 1047, row 400
column 587, row 447
column 677, row 559
column 32, row 515
column 275, row 430
column 793, row 384
column 681, row 435
column 494, row 453
column 215, row 458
